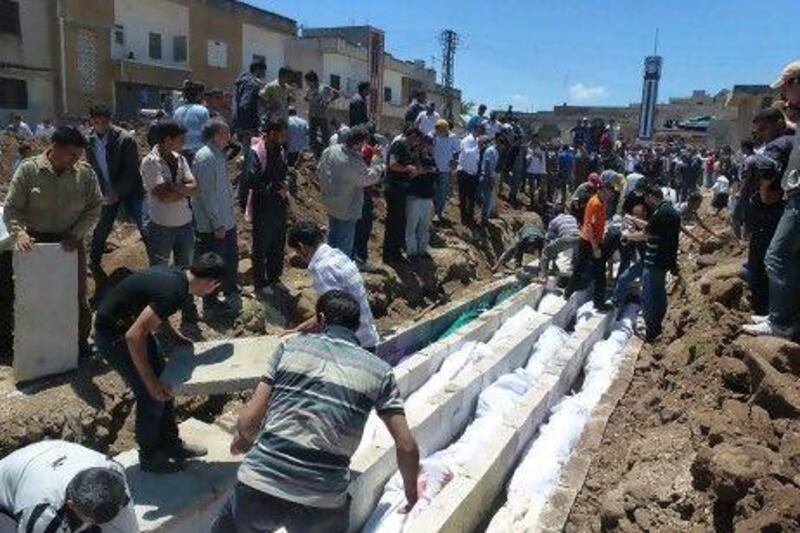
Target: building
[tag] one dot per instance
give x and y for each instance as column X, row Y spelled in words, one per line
column 345, row 56
column 27, row 63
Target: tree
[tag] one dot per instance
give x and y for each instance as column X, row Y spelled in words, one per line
column 467, row 107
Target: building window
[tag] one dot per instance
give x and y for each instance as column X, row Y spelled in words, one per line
column 336, row 81
column 9, row 17
column 217, row 54
column 387, row 94
column 155, row 46
column 13, row 94
column 119, row 35
column 179, row 49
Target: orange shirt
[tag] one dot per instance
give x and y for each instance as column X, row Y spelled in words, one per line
column 594, row 220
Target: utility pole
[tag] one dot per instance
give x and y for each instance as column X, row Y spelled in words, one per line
column 449, row 40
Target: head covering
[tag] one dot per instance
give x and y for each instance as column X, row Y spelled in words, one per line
column 609, row 179
column 594, row 180
column 792, row 70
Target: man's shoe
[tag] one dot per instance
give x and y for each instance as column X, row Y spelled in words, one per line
column 758, row 319
column 160, row 463
column 767, row 328
column 184, row 450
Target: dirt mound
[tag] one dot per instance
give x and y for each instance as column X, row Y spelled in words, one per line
column 94, row 406
column 708, row 435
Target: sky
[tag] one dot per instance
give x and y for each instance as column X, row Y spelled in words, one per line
column 534, row 54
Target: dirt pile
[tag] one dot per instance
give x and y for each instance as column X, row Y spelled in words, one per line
column 92, row 406
column 707, row 436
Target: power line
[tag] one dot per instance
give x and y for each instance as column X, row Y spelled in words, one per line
column 449, row 40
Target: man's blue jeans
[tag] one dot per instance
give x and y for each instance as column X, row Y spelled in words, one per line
column 342, row 234
column 654, row 299
column 782, row 262
column 486, row 186
column 134, row 206
column 442, row 192
column 164, row 242
column 624, row 280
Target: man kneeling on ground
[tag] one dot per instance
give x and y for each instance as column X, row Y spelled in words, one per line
column 124, row 325
column 303, row 424
column 60, row 486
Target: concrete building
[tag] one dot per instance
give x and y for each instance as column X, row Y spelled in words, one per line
column 27, row 77
column 345, row 56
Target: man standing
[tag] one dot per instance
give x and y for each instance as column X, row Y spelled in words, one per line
column 661, row 232
column 488, row 176
column 192, row 115
column 783, row 254
column 690, row 170
column 359, row 110
column 54, row 485
column 415, row 107
column 114, row 157
column 303, row 424
column 45, row 129
column 54, row 197
column 343, row 176
column 566, row 166
column 478, row 119
column 297, row 135
column 319, row 96
column 469, row 168
column 401, row 169
column 16, row 126
column 126, row 321
column 330, row 269
column 419, row 203
column 588, row 262
column 445, row 152
column 427, row 119
column 268, row 204
column 276, row 95
column 245, row 107
column 214, row 212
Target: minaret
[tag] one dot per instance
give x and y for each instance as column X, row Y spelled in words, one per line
column 647, row 117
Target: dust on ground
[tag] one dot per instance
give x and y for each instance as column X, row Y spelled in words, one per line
column 707, row 437
column 92, row 406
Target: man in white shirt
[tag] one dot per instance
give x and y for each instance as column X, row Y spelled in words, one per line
column 469, row 159
column 331, row 269
column 536, row 169
column 445, row 152
column 426, row 120
column 296, row 137
column 720, row 191
column 59, row 486
column 46, row 129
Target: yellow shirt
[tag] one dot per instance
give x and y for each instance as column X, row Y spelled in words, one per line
column 42, row 201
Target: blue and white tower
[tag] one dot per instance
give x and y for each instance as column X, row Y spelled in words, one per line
column 647, row 116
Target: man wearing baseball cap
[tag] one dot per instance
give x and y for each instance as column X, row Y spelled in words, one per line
column 783, row 255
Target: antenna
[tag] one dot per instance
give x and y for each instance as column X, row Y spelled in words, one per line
column 655, row 44
column 449, row 41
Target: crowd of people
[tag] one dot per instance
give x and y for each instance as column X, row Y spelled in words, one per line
column 617, row 209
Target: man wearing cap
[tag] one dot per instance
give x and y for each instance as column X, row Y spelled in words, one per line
column 588, row 261
column 783, row 254
column 445, row 152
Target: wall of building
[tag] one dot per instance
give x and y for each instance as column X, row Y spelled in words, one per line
column 139, row 18
column 28, row 57
column 267, row 43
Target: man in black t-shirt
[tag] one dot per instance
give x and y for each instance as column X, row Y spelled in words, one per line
column 401, row 168
column 419, row 203
column 124, row 325
column 661, row 232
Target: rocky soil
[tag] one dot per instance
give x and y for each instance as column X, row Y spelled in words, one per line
column 92, row 406
column 707, row 437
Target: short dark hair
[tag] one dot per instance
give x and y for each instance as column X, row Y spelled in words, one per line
column 412, row 131
column 770, row 114
column 212, row 127
column 357, row 135
column 193, row 91
column 655, row 190
column 362, row 86
column 100, row 110
column 69, row 136
column 167, row 129
column 269, row 124
column 305, row 233
column 98, row 494
column 284, row 71
column 311, row 76
column 340, row 309
column 694, row 197
column 208, row 266
column 258, row 65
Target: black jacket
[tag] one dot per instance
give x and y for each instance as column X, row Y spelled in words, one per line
column 358, row 111
column 244, row 115
column 122, row 157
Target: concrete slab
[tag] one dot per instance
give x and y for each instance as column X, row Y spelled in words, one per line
column 219, row 367
column 185, row 502
column 466, row 502
column 45, row 312
column 437, row 425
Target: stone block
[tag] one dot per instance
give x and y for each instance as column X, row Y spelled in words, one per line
column 45, row 312
column 187, row 501
column 219, row 367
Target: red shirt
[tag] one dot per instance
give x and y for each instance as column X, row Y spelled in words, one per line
column 368, row 152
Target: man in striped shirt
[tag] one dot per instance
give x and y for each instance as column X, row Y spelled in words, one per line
column 562, row 235
column 303, row 424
